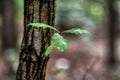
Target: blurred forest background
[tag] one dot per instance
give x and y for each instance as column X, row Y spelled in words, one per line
column 87, row 54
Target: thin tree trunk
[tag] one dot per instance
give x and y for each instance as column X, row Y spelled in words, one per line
column 7, row 36
column 112, row 29
column 9, row 30
column 33, row 62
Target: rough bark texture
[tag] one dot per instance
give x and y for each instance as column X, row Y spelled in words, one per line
column 32, row 64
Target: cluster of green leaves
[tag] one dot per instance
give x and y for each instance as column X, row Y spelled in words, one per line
column 57, row 39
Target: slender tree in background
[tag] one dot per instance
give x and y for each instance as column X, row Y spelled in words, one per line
column 9, row 30
column 8, row 36
column 32, row 63
column 112, row 30
column 112, row 36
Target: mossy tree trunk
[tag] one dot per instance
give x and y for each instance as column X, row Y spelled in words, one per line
column 32, row 63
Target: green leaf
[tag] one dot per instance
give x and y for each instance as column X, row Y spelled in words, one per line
column 49, row 50
column 42, row 25
column 76, row 31
column 59, row 42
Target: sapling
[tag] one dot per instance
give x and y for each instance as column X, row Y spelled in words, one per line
column 58, row 41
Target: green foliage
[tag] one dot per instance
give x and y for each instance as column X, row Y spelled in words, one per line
column 57, row 40
column 84, row 11
column 49, row 50
column 42, row 25
column 76, row 31
column 19, row 6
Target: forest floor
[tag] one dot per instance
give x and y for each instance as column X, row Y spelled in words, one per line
column 84, row 60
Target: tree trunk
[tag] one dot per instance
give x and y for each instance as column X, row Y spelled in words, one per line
column 32, row 63
column 8, row 37
column 9, row 30
column 112, row 29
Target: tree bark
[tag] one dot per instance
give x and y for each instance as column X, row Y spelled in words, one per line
column 33, row 62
